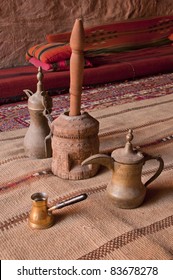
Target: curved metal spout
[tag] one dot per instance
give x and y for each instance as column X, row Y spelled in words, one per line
column 101, row 159
column 28, row 92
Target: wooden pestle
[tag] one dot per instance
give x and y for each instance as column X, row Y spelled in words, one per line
column 77, row 42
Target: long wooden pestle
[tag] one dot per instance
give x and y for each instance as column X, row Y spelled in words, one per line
column 77, row 42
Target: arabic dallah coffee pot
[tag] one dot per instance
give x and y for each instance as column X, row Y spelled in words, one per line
column 126, row 188
column 37, row 143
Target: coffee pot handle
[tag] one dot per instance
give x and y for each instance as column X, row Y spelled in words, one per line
column 159, row 170
column 68, row 202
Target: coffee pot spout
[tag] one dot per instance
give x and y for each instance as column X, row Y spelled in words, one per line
column 28, row 92
column 101, row 159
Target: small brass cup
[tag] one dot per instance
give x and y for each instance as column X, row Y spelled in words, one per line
column 41, row 216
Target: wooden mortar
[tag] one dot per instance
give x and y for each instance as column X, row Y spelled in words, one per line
column 75, row 135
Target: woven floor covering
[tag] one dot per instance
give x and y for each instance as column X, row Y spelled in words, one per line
column 94, row 228
column 16, row 115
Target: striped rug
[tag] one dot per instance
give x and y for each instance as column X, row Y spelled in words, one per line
column 95, row 228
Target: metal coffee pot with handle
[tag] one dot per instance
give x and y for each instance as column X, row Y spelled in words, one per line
column 37, row 143
column 126, row 188
column 40, row 216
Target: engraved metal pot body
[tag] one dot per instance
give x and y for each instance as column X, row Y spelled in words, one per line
column 39, row 217
column 34, row 140
column 125, row 188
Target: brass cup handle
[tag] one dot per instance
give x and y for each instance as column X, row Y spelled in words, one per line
column 159, row 170
column 68, row 202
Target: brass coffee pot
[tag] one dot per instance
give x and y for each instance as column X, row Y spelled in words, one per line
column 126, row 188
column 41, row 216
column 37, row 143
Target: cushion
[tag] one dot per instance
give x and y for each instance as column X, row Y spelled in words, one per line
column 170, row 37
column 56, row 66
column 49, row 52
column 59, row 37
column 122, row 36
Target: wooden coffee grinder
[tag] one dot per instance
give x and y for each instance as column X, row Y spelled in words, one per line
column 75, row 134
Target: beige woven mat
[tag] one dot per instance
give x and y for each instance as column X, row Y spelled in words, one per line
column 94, row 228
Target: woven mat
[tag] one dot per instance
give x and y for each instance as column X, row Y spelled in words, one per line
column 94, row 228
column 16, row 115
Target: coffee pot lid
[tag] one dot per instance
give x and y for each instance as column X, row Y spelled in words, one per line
column 127, row 155
column 35, row 101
